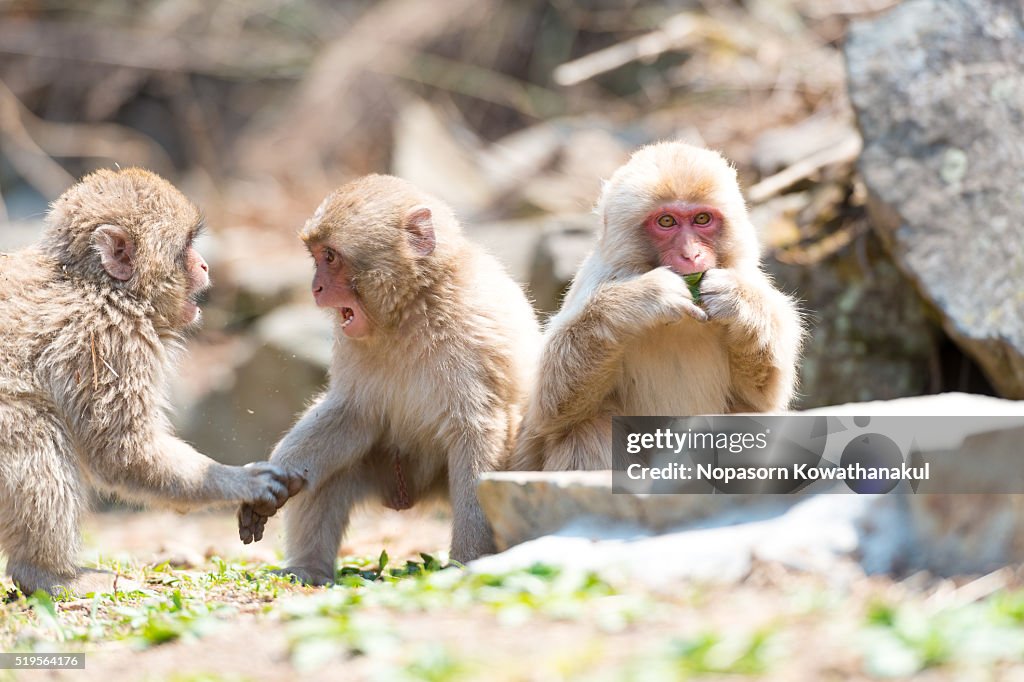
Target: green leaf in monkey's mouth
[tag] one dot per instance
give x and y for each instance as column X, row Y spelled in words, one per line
column 693, row 282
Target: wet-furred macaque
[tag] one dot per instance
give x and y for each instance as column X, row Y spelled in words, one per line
column 434, row 349
column 631, row 340
column 90, row 319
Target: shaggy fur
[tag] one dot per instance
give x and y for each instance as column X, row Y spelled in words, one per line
column 628, row 340
column 83, row 364
column 437, row 388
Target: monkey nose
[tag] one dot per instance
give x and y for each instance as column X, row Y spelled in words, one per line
column 686, row 265
column 690, row 260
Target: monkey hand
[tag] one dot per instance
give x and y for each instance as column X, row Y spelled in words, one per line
column 250, row 524
column 667, row 298
column 270, row 488
column 721, row 294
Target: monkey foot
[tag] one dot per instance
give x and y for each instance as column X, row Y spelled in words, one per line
column 306, row 576
column 86, row 581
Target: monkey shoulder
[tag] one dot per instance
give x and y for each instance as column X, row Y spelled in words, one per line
column 494, row 300
column 491, row 336
column 26, row 275
column 95, row 331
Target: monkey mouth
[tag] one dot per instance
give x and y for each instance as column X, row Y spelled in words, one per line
column 347, row 316
column 191, row 310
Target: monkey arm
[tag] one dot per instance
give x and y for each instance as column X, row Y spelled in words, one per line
column 581, row 360
column 329, row 436
column 174, row 472
column 144, row 461
column 110, row 401
column 578, row 368
column 764, row 335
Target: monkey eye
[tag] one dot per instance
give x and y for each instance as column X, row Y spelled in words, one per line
column 667, row 221
column 329, row 255
column 702, row 218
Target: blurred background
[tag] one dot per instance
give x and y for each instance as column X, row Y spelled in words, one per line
column 511, row 111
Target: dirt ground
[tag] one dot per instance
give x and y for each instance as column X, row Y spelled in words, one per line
column 185, row 539
column 812, row 625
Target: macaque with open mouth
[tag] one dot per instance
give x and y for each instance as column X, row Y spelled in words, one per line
column 434, row 352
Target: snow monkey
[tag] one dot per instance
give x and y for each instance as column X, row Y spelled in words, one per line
column 90, row 319
column 434, row 349
column 630, row 338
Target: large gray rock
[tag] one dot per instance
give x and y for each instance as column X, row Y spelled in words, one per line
column 859, row 348
column 938, row 88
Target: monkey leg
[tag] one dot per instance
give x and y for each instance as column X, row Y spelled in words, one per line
column 316, row 520
column 41, row 499
column 587, row 445
column 471, row 533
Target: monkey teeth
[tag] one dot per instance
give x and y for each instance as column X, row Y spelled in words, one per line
column 348, row 315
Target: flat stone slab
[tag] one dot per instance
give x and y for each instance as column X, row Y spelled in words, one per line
column 523, row 505
column 574, row 518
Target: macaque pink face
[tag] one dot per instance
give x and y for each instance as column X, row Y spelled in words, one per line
column 198, row 282
column 684, row 235
column 332, row 288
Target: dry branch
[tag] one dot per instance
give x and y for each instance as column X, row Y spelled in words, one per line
column 844, row 152
column 678, row 32
column 32, row 143
column 327, row 105
column 27, row 157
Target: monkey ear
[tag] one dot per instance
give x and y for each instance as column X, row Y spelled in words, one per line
column 117, row 251
column 419, row 223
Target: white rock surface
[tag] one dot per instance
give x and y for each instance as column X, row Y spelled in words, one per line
column 817, row 534
column 573, row 520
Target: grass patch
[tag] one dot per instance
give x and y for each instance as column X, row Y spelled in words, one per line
column 171, row 605
column 905, row 639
